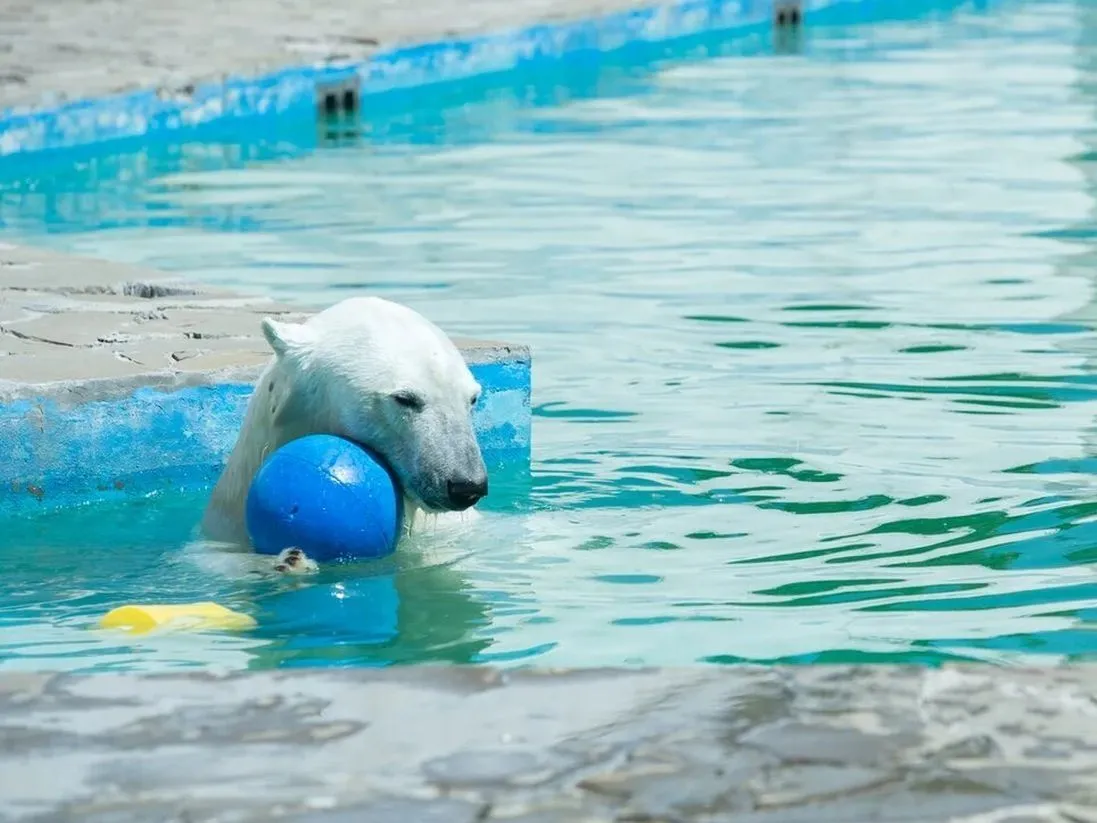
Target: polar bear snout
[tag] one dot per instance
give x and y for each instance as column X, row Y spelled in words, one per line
column 464, row 494
column 447, row 472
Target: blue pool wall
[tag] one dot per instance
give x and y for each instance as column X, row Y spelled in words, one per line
column 151, row 438
column 262, row 104
column 62, row 452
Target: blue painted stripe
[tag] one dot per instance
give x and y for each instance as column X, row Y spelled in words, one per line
column 156, row 441
column 266, row 101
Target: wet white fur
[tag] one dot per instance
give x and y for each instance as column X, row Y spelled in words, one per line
column 336, row 374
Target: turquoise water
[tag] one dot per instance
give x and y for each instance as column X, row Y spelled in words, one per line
column 813, row 356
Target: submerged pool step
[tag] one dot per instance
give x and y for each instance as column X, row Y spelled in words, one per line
column 119, row 381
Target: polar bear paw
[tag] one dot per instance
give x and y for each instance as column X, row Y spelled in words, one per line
column 295, row 561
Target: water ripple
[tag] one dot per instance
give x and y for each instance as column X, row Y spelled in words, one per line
column 813, row 336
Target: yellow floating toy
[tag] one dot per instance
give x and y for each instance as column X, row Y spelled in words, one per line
column 138, row 619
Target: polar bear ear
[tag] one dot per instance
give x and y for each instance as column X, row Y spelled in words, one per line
column 286, row 338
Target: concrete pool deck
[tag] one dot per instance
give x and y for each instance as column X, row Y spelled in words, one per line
column 65, row 318
column 459, row 745
column 68, row 50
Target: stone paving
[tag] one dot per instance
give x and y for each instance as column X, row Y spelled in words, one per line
column 457, row 745
column 64, row 49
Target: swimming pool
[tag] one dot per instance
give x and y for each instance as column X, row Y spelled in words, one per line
column 812, row 356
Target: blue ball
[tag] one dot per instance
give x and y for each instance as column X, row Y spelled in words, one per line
column 328, row 496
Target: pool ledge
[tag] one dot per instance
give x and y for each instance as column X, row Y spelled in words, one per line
column 74, row 83
column 745, row 744
column 119, row 380
column 199, row 80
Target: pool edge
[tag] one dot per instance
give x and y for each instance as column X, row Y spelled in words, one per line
column 117, row 380
column 261, row 100
column 464, row 744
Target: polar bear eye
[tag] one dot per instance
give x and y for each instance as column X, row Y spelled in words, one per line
column 475, row 399
column 408, row 400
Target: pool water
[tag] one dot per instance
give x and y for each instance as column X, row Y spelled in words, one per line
column 813, row 356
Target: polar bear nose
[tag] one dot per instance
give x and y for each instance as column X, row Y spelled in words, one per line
column 464, row 493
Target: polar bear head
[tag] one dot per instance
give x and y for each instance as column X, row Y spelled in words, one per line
column 381, row 374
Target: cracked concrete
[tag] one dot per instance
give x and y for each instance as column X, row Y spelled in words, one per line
column 64, row 318
column 742, row 744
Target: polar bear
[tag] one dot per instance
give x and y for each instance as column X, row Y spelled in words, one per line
column 376, row 372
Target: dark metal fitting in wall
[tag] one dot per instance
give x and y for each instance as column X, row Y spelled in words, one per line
column 787, row 14
column 336, row 99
